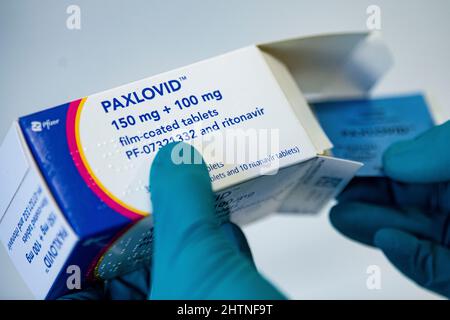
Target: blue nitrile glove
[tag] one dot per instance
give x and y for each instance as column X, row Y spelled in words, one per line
column 193, row 257
column 407, row 214
column 131, row 286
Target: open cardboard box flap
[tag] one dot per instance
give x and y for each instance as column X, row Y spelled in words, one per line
column 333, row 65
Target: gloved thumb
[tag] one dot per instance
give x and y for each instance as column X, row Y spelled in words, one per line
column 181, row 188
column 425, row 159
column 423, row 261
column 193, row 255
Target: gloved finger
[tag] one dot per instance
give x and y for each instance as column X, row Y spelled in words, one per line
column 425, row 159
column 360, row 221
column 423, row 261
column 387, row 192
column 237, row 238
column 188, row 240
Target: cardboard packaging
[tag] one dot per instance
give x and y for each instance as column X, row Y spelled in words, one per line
column 74, row 193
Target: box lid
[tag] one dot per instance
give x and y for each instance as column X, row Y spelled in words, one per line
column 333, row 65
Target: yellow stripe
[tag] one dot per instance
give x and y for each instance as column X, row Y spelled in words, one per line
column 91, row 173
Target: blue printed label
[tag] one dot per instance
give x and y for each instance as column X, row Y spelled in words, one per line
column 361, row 130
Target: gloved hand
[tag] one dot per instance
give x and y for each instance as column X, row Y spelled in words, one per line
column 131, row 286
column 193, row 256
column 407, row 214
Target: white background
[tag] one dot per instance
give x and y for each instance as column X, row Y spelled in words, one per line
column 43, row 64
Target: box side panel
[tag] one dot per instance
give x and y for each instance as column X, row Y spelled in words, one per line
column 33, row 230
